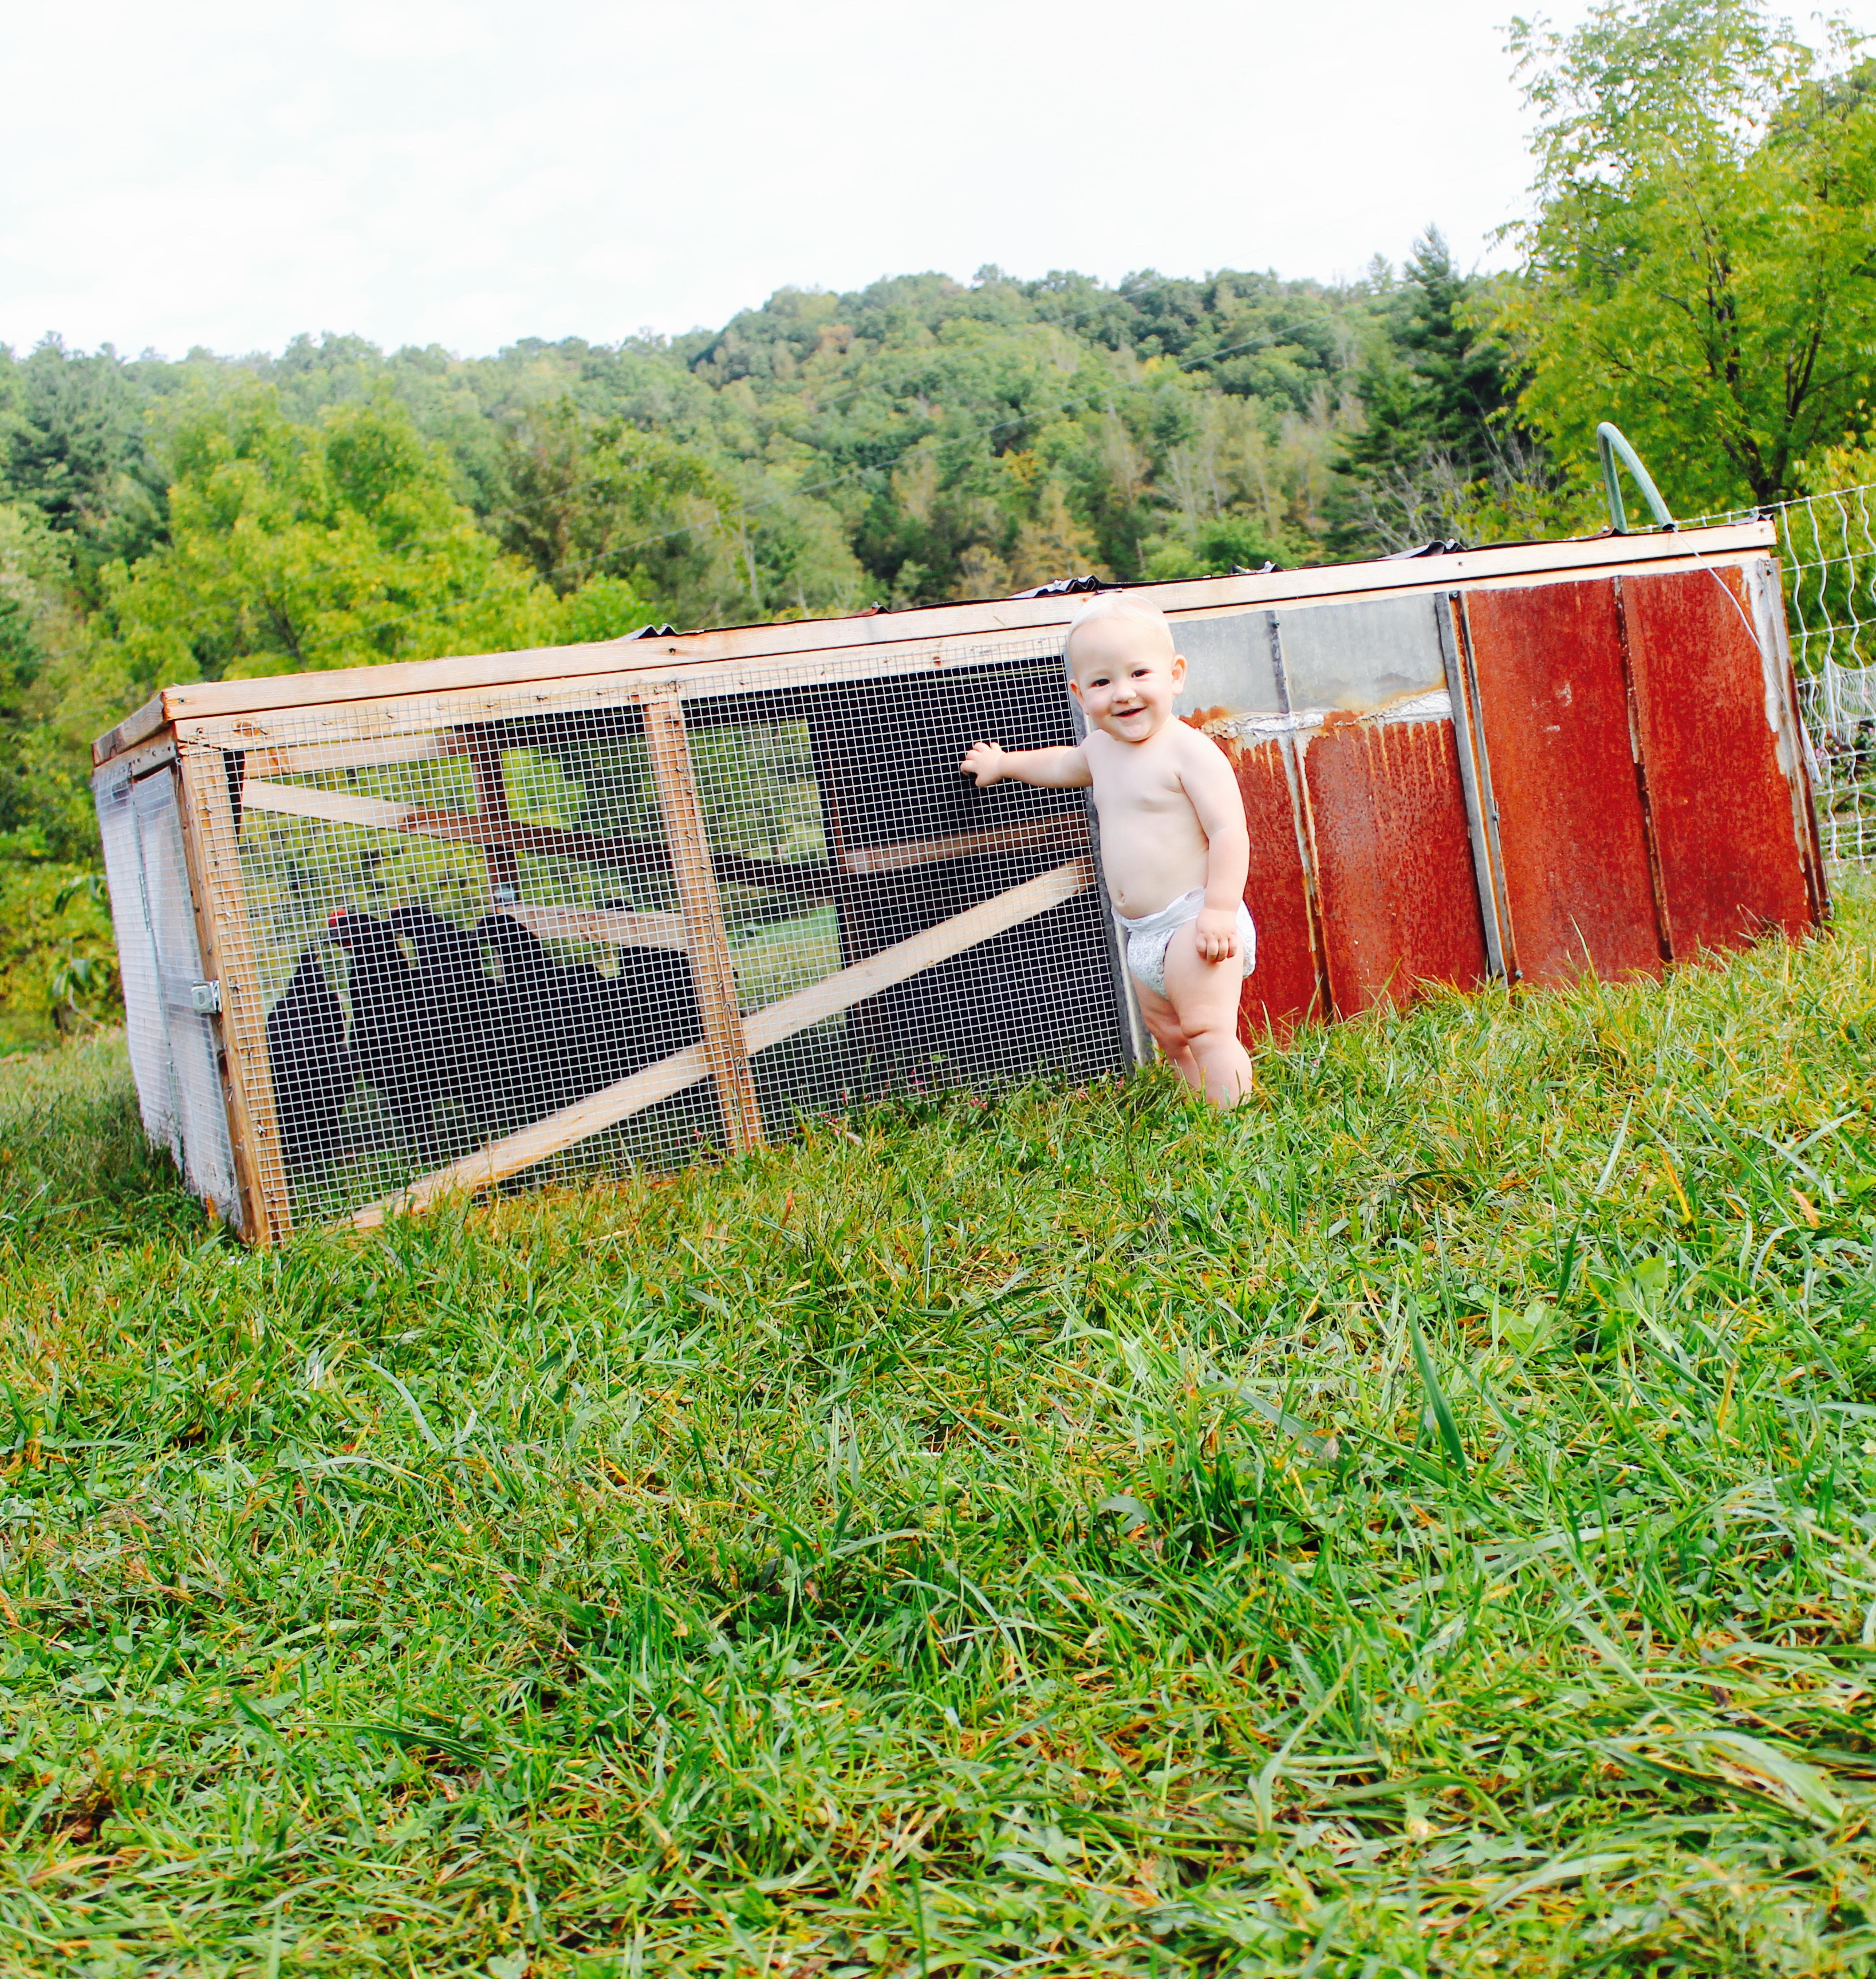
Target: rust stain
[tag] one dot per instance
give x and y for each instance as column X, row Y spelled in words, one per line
column 1731, row 864
column 1393, row 860
column 1554, row 708
column 1283, row 990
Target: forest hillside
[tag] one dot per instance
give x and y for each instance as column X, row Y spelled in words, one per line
column 1699, row 264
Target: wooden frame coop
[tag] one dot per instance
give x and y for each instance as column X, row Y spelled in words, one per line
column 391, row 933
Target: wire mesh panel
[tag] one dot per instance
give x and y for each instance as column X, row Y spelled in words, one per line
column 500, row 944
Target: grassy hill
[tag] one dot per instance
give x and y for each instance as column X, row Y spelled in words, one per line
column 1421, row 1524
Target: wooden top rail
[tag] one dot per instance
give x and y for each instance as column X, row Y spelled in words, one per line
column 659, row 662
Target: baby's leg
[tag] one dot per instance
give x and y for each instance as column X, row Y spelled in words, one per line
column 1204, row 998
column 1162, row 1021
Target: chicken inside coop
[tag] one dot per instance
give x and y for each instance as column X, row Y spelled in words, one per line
column 459, row 1034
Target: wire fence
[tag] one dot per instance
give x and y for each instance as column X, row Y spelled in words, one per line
column 495, row 940
column 1828, row 545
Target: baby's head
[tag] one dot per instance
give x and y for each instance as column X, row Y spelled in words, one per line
column 1123, row 667
column 1110, row 616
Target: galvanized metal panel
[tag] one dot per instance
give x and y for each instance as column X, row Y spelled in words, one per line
column 1372, row 653
column 144, row 1028
column 1228, row 666
column 1708, row 702
column 1284, row 989
column 1554, row 715
column 1392, row 849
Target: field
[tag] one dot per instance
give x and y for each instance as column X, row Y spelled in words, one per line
column 1422, row 1524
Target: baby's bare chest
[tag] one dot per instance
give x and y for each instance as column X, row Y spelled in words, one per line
column 1143, row 792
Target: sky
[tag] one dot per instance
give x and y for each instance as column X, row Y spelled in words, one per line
column 446, row 171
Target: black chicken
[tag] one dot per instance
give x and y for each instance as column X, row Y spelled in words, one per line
column 653, row 1000
column 462, row 1025
column 541, row 1022
column 390, row 1033
column 569, row 1031
column 311, row 1063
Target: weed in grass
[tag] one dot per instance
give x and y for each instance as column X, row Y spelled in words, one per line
column 1422, row 1523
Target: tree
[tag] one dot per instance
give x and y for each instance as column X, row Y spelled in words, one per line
column 584, row 496
column 72, row 445
column 1439, row 451
column 45, row 802
column 1701, row 267
column 296, row 546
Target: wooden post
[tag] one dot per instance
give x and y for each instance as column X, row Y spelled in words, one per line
column 725, row 1044
column 215, row 862
column 492, row 804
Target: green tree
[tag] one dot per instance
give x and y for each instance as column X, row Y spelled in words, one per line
column 45, row 806
column 299, row 546
column 73, row 445
column 583, row 498
column 1215, row 549
column 1701, row 267
column 1439, row 450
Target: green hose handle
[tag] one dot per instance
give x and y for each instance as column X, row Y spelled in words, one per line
column 1610, row 443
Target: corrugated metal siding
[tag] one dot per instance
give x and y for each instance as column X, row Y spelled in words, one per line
column 1393, row 861
column 1284, row 989
column 1554, row 715
column 1721, row 805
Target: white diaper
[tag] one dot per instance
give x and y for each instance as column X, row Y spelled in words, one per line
column 1147, row 938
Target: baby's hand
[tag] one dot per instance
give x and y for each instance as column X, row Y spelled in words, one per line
column 983, row 761
column 1215, row 931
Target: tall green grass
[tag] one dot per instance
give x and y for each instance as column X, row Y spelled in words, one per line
column 1422, row 1523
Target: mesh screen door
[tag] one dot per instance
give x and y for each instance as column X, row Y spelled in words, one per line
column 175, row 1051
column 504, row 944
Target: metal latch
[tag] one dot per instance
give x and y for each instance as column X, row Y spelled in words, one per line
column 205, row 998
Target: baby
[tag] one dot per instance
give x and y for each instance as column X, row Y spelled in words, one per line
column 1173, row 841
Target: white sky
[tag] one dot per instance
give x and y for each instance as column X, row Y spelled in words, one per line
column 456, row 172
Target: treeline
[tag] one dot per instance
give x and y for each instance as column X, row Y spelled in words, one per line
column 921, row 439
column 1700, row 266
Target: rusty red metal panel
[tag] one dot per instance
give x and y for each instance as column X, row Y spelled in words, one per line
column 1283, row 990
column 1393, row 860
column 1554, row 711
column 1731, row 862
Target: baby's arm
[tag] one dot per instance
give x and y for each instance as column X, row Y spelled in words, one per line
column 1213, row 789
column 1053, row 769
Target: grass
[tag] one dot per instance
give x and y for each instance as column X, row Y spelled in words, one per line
column 1423, row 1524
